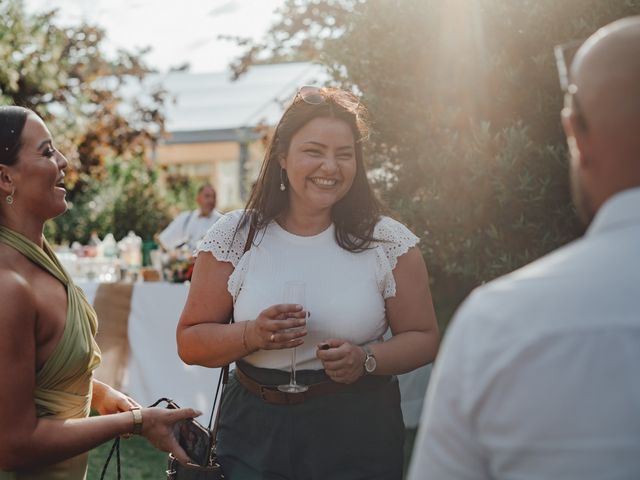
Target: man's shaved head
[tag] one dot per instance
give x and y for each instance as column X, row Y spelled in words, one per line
column 606, row 71
column 604, row 138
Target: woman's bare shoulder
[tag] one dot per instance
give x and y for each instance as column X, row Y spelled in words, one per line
column 16, row 297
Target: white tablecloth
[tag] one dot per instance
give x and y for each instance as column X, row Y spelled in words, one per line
column 155, row 370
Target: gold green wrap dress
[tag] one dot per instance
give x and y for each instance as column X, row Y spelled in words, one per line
column 64, row 383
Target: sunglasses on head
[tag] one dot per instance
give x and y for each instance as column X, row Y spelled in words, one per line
column 317, row 96
column 564, row 55
column 564, row 58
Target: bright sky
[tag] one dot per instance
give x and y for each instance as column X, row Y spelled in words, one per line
column 178, row 31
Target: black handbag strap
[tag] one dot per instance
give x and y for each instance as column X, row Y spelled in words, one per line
column 222, row 382
column 114, row 448
column 223, row 379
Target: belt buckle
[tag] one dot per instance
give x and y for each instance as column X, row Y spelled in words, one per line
column 263, row 391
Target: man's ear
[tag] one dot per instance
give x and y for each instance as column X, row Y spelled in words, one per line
column 578, row 137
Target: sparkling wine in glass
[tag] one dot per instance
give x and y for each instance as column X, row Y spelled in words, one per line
column 294, row 292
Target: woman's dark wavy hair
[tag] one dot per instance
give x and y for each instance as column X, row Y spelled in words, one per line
column 356, row 214
column 12, row 121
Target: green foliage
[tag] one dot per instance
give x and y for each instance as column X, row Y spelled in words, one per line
column 63, row 74
column 181, row 191
column 139, row 206
column 127, row 198
column 467, row 144
column 300, row 34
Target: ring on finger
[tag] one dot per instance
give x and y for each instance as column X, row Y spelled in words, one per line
column 272, row 338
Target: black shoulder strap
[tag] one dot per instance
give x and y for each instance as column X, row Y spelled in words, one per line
column 222, row 383
column 224, row 372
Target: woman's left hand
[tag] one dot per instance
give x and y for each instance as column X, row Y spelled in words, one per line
column 343, row 361
column 107, row 400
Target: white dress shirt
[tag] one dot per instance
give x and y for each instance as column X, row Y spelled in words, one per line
column 539, row 374
column 188, row 228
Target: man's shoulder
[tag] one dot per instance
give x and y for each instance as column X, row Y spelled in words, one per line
column 510, row 313
column 554, row 267
column 581, row 263
column 183, row 216
column 520, row 297
column 554, row 292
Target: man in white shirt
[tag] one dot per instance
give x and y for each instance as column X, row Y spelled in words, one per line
column 538, row 377
column 189, row 227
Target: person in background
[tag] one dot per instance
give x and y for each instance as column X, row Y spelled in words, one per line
column 538, row 374
column 312, row 217
column 47, row 346
column 188, row 228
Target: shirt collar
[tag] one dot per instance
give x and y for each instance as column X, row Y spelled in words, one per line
column 619, row 210
column 200, row 215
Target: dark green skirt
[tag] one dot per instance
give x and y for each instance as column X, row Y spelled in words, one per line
column 351, row 435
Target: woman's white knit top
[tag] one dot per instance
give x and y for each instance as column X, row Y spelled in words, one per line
column 345, row 291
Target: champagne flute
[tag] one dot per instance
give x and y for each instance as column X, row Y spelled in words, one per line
column 294, row 292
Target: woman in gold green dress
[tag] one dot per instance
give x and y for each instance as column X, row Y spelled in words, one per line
column 47, row 346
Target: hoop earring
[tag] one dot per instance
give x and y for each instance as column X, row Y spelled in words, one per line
column 283, row 187
column 9, row 198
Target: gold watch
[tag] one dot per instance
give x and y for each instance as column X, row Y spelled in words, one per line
column 137, row 420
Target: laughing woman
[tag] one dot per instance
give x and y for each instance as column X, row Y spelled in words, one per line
column 47, row 347
column 312, row 217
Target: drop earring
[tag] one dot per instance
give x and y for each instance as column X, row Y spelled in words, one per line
column 9, row 198
column 283, row 187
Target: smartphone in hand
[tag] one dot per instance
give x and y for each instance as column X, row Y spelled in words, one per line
column 193, row 438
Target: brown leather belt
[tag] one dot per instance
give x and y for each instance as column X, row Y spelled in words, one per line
column 271, row 394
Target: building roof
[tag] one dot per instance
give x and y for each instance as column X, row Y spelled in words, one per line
column 210, row 107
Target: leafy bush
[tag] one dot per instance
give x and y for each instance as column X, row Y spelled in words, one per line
column 64, row 74
column 128, row 197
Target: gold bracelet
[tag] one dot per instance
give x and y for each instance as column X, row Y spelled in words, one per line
column 137, row 420
column 244, row 336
